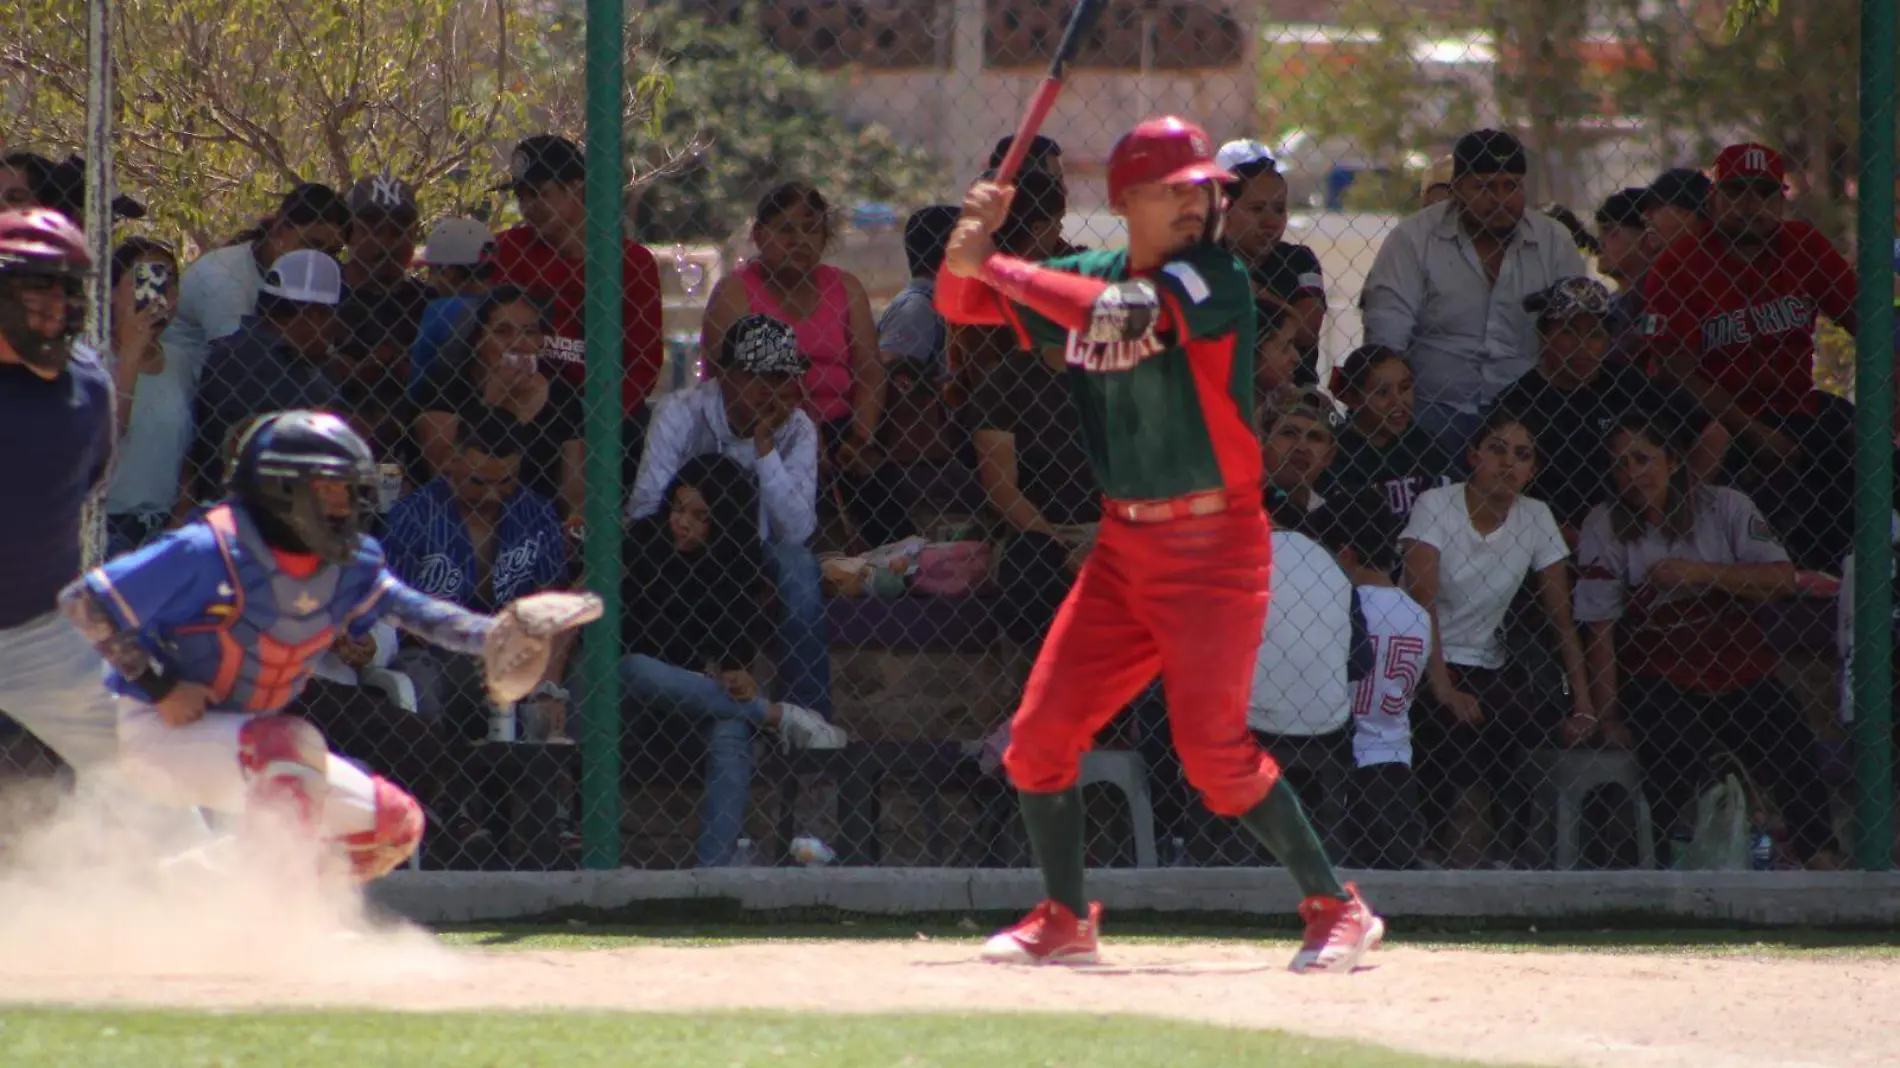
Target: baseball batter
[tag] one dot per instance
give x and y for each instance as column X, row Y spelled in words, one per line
column 212, row 629
column 1159, row 340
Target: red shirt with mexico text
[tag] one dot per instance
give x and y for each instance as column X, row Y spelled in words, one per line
column 1751, row 324
column 523, row 259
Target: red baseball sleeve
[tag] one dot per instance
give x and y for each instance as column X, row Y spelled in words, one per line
column 967, row 301
column 1066, row 299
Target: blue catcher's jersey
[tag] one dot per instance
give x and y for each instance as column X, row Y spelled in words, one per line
column 211, row 601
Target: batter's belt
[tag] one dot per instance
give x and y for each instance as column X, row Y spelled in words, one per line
column 1187, row 506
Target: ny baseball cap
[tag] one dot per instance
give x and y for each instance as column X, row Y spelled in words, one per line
column 544, row 158
column 1625, row 207
column 382, row 194
column 1488, row 152
column 1245, row 158
column 1749, row 160
column 762, row 345
column 1679, row 187
column 1568, row 299
column 304, row 277
column 457, row 243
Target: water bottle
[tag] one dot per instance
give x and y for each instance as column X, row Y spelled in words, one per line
column 501, row 723
column 745, row 854
column 1761, row 850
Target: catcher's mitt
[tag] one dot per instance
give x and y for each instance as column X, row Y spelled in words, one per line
column 515, row 655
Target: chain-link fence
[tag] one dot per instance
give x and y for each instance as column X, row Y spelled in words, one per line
column 1553, row 309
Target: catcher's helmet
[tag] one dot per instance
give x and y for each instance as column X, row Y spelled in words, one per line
column 1164, row 149
column 278, row 460
column 41, row 249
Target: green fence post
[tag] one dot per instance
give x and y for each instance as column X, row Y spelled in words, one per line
column 600, row 740
column 1873, row 460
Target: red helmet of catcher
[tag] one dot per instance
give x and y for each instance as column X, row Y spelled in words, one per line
column 41, row 253
column 1165, row 149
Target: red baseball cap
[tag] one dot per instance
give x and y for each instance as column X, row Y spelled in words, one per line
column 1749, row 160
column 1165, row 149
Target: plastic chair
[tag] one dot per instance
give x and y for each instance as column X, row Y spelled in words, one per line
column 398, row 687
column 1124, row 770
column 1559, row 780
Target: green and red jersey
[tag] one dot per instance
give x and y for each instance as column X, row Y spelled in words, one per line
column 1165, row 415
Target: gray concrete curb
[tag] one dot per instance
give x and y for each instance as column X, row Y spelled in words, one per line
column 1768, row 898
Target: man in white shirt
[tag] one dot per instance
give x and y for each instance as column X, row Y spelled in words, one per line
column 749, row 412
column 1448, row 285
column 1300, row 707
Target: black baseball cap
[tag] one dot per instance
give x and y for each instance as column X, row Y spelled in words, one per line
column 1488, row 152
column 1040, row 149
column 313, row 202
column 1625, row 207
column 544, row 158
column 1679, row 187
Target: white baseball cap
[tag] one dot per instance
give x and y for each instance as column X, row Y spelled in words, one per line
column 305, row 276
column 1246, row 154
column 457, row 243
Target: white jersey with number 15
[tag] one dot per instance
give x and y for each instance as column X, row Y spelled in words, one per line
column 1401, row 636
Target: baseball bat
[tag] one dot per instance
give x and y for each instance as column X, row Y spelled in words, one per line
column 1081, row 21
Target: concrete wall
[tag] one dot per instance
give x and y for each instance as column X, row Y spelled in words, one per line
column 1766, row 898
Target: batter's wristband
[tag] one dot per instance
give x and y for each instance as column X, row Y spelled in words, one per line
column 1066, row 299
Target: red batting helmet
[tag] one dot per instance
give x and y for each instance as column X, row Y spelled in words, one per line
column 38, row 246
column 1165, row 149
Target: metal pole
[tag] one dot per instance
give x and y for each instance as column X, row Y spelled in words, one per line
column 1873, row 460
column 606, row 212
column 98, row 223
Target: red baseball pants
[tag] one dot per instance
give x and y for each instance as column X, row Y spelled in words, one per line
column 1187, row 599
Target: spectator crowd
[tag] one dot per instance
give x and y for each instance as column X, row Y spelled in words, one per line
column 1530, row 513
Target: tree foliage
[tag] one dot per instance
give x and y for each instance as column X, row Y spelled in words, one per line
column 742, row 118
column 1372, row 94
column 222, row 105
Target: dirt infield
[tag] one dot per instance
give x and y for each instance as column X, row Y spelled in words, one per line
column 91, row 919
column 1546, row 1008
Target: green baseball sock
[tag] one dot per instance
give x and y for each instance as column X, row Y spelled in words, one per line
column 1054, row 823
column 1280, row 824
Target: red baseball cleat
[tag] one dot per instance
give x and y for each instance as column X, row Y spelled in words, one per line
column 1338, row 933
column 1050, row 934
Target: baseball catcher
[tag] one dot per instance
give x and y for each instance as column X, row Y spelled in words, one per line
column 211, row 630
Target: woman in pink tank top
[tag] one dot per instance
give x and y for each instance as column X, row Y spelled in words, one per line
column 826, row 306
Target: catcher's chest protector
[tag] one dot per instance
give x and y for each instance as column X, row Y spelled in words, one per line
column 264, row 631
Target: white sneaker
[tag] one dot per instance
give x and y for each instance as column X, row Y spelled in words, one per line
column 801, row 728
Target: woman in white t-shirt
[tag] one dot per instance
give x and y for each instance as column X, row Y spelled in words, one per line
column 1468, row 547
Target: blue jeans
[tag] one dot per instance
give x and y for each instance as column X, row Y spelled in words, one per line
column 728, row 727
column 804, row 664
column 1450, row 428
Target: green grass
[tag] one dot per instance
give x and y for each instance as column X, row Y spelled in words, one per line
column 63, row 1039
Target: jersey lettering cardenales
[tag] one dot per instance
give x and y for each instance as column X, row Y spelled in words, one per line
column 1750, row 323
column 1166, row 414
